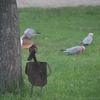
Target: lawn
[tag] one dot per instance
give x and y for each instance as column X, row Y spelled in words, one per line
column 74, row 77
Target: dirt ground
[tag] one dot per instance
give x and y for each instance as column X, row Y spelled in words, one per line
column 55, row 3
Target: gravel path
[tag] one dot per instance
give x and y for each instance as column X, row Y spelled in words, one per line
column 55, row 3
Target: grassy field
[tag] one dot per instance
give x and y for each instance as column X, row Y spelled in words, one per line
column 74, row 77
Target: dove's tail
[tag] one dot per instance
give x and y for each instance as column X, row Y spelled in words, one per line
column 38, row 32
column 64, row 51
column 81, row 44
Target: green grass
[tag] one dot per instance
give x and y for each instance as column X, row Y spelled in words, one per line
column 74, row 77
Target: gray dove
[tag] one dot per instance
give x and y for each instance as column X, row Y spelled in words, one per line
column 74, row 50
column 29, row 33
column 87, row 40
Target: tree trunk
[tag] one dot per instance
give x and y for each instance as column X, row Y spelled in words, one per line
column 10, row 48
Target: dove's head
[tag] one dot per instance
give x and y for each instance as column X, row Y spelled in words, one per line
column 90, row 34
column 82, row 48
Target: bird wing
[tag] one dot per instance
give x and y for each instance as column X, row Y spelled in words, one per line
column 87, row 40
column 30, row 33
column 72, row 50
